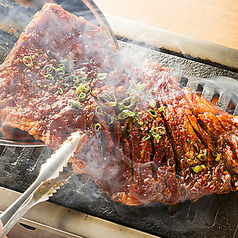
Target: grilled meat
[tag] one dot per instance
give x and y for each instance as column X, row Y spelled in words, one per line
column 147, row 139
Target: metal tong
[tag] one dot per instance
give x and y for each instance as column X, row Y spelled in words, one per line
column 47, row 183
column 12, row 143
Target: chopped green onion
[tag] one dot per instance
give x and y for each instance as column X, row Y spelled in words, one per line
column 83, row 88
column 202, row 157
column 218, row 157
column 82, row 97
column 79, row 89
column 152, row 112
column 145, row 138
column 190, row 161
column 49, row 76
column 203, row 166
column 27, row 60
column 108, row 99
column 50, row 53
column 120, row 106
column 197, row 169
column 161, row 109
column 129, row 100
column 112, row 104
column 156, row 136
column 152, row 103
column 48, row 68
column 110, row 119
column 125, row 113
column 98, row 110
column 60, row 72
column 75, row 60
column 122, row 130
column 161, row 130
column 61, row 66
column 75, row 104
column 89, row 80
column 140, row 123
column 97, row 127
column 102, row 76
column 86, row 88
column 60, row 90
column 78, row 78
column 53, row 72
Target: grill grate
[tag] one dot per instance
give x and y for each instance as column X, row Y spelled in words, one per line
column 226, row 99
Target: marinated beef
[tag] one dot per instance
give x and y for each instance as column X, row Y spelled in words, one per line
column 147, row 139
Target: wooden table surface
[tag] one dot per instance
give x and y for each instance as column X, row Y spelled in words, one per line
column 215, row 21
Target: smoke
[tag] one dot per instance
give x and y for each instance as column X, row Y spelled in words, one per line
column 15, row 16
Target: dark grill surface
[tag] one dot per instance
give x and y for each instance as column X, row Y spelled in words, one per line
column 211, row 216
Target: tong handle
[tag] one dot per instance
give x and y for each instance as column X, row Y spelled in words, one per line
column 44, row 185
column 13, row 213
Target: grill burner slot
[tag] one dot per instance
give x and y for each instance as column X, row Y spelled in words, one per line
column 183, row 82
column 233, row 104
column 215, row 98
column 231, row 107
column 199, row 89
column 31, row 228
